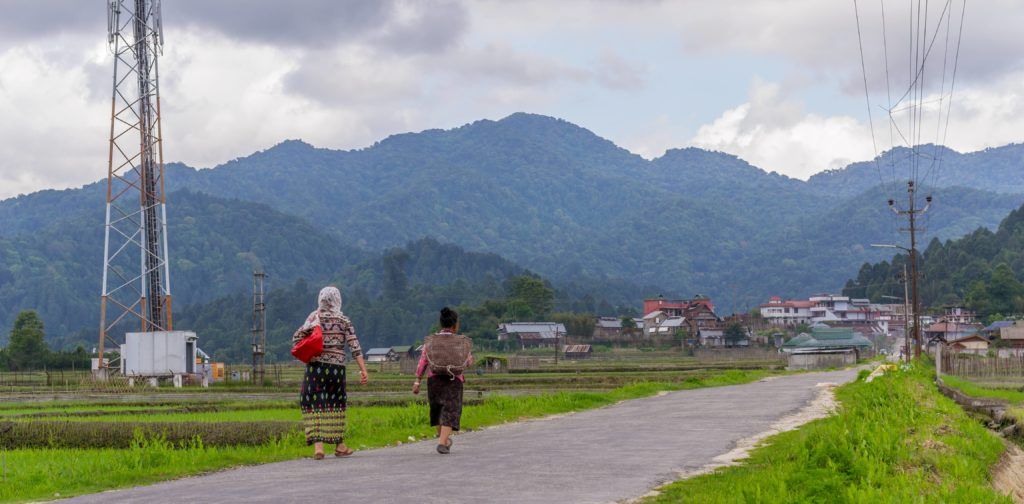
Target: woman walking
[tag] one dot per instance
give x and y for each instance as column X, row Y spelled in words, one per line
column 323, row 398
column 446, row 354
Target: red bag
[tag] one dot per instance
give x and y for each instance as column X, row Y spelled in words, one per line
column 309, row 347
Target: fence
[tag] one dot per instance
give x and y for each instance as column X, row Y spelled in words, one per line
column 484, row 364
column 969, row 365
column 57, row 378
column 737, row 354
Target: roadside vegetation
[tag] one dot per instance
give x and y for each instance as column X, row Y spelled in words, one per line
column 59, row 470
column 896, row 439
column 1012, row 393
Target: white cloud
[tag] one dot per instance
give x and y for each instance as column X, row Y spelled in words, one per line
column 776, row 134
column 357, row 71
column 45, row 109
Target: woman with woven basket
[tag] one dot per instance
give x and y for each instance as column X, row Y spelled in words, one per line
column 323, row 398
column 446, row 355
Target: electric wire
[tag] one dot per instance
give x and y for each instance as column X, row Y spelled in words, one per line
column 867, row 96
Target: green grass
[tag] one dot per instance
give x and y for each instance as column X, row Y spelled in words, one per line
column 1013, row 395
column 896, row 439
column 38, row 474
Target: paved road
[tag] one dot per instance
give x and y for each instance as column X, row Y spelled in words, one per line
column 602, row 455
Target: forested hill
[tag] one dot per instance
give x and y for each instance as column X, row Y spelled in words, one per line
column 541, row 192
column 983, row 269
column 392, row 298
column 997, row 169
column 215, row 243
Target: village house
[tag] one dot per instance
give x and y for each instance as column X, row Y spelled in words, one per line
column 577, row 352
column 652, row 321
column 380, row 355
column 607, row 328
column 532, row 334
column 663, row 318
column 859, row 314
column 974, row 343
column 786, row 313
column 1012, row 333
column 676, row 307
column 610, row 329
column 949, row 331
column 958, row 315
column 824, row 338
column 404, row 352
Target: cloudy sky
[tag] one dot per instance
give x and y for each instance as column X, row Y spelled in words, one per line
column 778, row 83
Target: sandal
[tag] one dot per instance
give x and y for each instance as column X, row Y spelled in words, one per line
column 443, row 449
column 345, row 453
column 318, row 456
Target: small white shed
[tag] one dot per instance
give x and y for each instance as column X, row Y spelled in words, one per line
column 162, row 353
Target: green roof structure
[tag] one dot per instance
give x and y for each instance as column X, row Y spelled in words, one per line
column 831, row 338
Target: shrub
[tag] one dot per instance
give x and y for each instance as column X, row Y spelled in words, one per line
column 62, row 434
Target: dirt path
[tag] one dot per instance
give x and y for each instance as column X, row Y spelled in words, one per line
column 604, row 455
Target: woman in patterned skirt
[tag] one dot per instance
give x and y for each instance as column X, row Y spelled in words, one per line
column 323, row 397
column 444, row 390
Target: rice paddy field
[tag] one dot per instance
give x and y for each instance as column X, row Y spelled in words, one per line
column 69, row 438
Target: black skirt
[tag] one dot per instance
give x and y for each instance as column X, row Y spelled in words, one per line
column 323, row 401
column 444, row 394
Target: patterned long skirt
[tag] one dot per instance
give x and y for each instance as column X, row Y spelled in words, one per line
column 323, row 402
column 444, row 394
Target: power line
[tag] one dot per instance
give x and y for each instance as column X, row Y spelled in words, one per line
column 867, row 99
column 952, row 83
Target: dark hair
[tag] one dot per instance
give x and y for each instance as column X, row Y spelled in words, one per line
column 448, row 318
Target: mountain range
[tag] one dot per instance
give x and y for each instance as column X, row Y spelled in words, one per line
column 548, row 196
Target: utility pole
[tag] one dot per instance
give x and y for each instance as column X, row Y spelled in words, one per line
column 259, row 326
column 912, row 212
column 556, row 345
column 906, row 317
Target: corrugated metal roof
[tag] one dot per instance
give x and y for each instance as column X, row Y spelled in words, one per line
column 577, row 349
column 378, row 351
column 834, row 339
column 531, row 327
column 999, row 325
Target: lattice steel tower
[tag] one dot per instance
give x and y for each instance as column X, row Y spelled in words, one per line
column 136, row 286
column 259, row 326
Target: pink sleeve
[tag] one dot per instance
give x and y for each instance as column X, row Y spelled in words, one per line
column 422, row 365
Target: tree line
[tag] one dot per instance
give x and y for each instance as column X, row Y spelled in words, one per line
column 981, row 271
column 27, row 350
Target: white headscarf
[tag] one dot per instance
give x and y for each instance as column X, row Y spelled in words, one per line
column 329, row 302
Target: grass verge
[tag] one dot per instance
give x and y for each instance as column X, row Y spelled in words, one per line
column 47, row 473
column 1013, row 395
column 896, row 439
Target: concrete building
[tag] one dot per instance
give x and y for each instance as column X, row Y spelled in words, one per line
column 786, row 313
column 860, row 314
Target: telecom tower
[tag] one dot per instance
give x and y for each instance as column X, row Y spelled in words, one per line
column 259, row 326
column 136, row 286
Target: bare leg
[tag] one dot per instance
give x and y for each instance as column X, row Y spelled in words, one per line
column 318, row 449
column 443, row 433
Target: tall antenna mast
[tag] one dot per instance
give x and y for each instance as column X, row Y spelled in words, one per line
column 136, row 283
column 259, row 326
